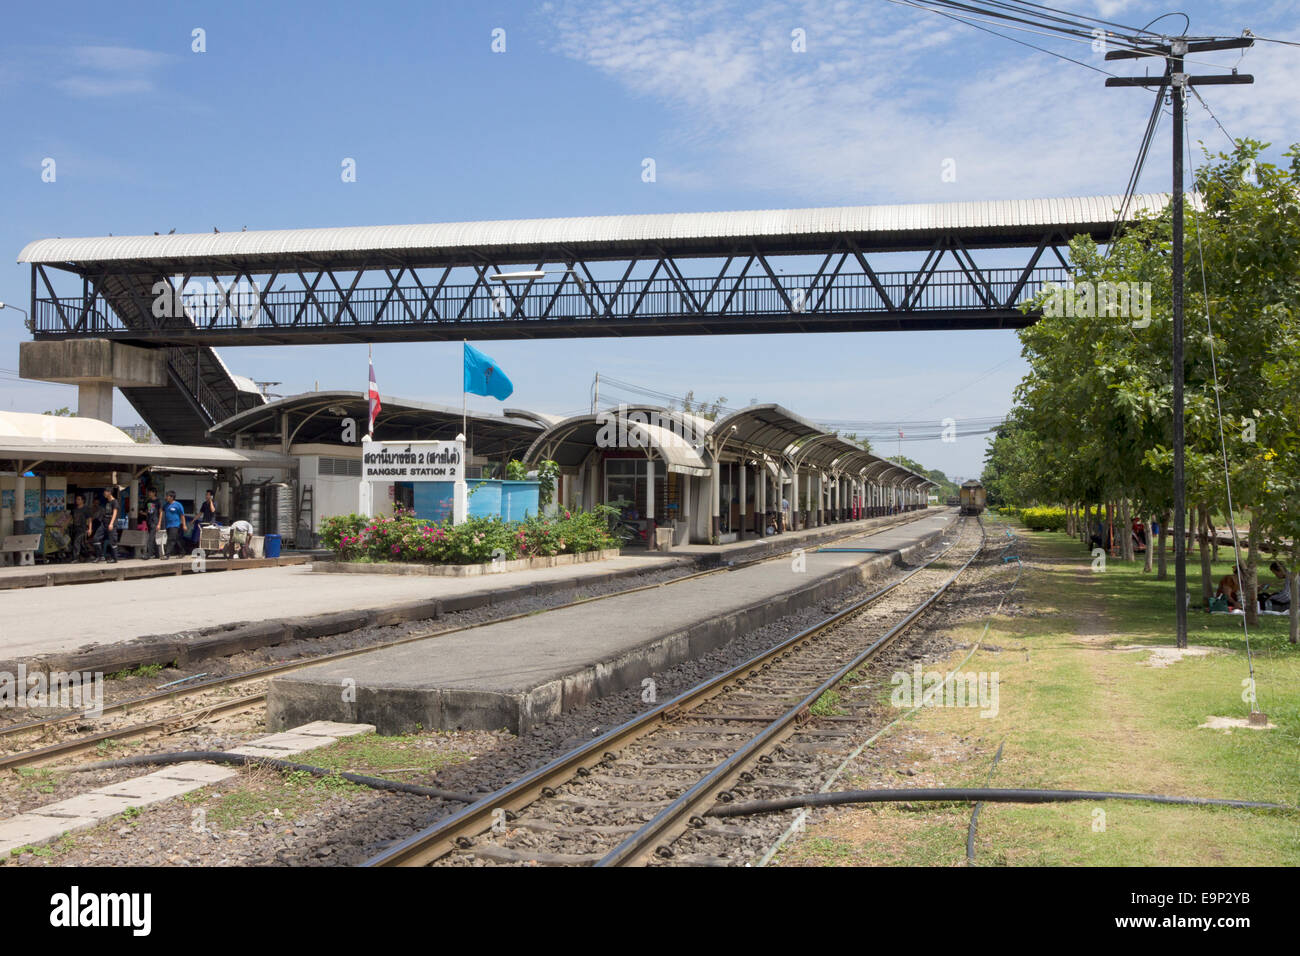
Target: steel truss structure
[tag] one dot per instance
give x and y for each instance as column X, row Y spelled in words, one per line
column 390, row 300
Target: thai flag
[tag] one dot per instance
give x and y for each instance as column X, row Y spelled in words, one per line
column 374, row 398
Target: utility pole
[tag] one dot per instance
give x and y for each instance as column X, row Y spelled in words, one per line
column 1173, row 53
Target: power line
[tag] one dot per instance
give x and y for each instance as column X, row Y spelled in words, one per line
column 1201, row 100
column 1271, row 40
column 1153, row 123
column 1119, row 41
column 969, row 22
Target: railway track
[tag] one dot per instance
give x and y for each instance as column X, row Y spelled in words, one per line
column 627, row 797
column 217, row 697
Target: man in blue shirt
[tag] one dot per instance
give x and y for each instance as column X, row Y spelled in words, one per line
column 174, row 522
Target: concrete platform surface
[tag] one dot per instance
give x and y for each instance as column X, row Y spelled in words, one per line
column 116, row 625
column 125, row 569
column 58, row 620
column 516, row 674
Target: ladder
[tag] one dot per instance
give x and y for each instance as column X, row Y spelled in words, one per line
column 304, row 536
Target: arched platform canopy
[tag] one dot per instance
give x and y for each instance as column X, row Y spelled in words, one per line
column 765, row 430
column 822, row 454
column 319, row 418
column 543, row 420
column 569, row 442
column 60, row 428
column 688, row 444
column 693, row 429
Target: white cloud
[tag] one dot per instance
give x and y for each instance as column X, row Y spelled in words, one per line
column 104, row 71
column 882, row 97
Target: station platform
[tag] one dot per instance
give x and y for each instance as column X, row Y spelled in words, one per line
column 127, row 569
column 518, row 674
column 116, row 624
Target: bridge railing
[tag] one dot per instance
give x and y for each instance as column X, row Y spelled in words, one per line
column 570, row 298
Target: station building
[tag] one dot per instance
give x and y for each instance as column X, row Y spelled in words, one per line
column 284, row 465
column 681, row 479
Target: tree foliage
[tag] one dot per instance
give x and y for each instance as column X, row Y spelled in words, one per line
column 1092, row 420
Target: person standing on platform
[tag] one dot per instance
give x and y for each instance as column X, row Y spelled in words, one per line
column 94, row 528
column 153, row 523
column 208, row 510
column 174, row 522
column 106, row 536
column 80, row 528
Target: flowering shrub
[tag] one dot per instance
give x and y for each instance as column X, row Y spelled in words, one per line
column 405, row 538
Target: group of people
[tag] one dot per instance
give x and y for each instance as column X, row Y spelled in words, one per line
column 95, row 522
column 1279, row 599
column 1102, row 538
column 94, row 527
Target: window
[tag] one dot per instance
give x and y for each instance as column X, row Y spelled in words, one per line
column 625, row 483
column 625, row 480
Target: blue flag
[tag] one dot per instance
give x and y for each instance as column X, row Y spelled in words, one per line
column 484, row 377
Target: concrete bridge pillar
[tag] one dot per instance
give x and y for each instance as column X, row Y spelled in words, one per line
column 96, row 367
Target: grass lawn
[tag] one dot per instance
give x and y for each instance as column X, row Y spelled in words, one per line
column 1077, row 712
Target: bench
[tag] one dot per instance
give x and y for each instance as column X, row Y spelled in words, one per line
column 135, row 540
column 19, row 549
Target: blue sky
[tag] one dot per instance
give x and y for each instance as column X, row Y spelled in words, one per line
column 148, row 135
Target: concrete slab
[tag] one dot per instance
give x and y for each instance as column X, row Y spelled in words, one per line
column 31, row 830
column 516, row 674
column 93, row 807
column 204, row 773
column 96, row 803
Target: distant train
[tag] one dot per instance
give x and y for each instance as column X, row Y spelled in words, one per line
column 972, row 498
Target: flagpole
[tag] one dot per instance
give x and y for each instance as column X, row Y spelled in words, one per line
column 370, row 424
column 464, row 399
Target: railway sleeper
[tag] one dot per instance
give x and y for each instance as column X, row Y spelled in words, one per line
column 504, row 854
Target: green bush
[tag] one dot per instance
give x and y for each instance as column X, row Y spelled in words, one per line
column 1043, row 519
column 406, row 538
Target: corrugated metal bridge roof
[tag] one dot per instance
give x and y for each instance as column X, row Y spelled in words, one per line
column 1011, row 222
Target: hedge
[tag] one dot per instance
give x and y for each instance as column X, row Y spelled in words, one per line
column 1043, row 519
column 406, row 538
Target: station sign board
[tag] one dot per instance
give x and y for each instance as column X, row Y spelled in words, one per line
column 413, row 461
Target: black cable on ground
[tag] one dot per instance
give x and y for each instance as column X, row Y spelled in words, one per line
column 248, row 760
column 975, row 814
column 965, row 795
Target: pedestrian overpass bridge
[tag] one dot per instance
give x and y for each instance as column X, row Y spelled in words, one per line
column 769, row 271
